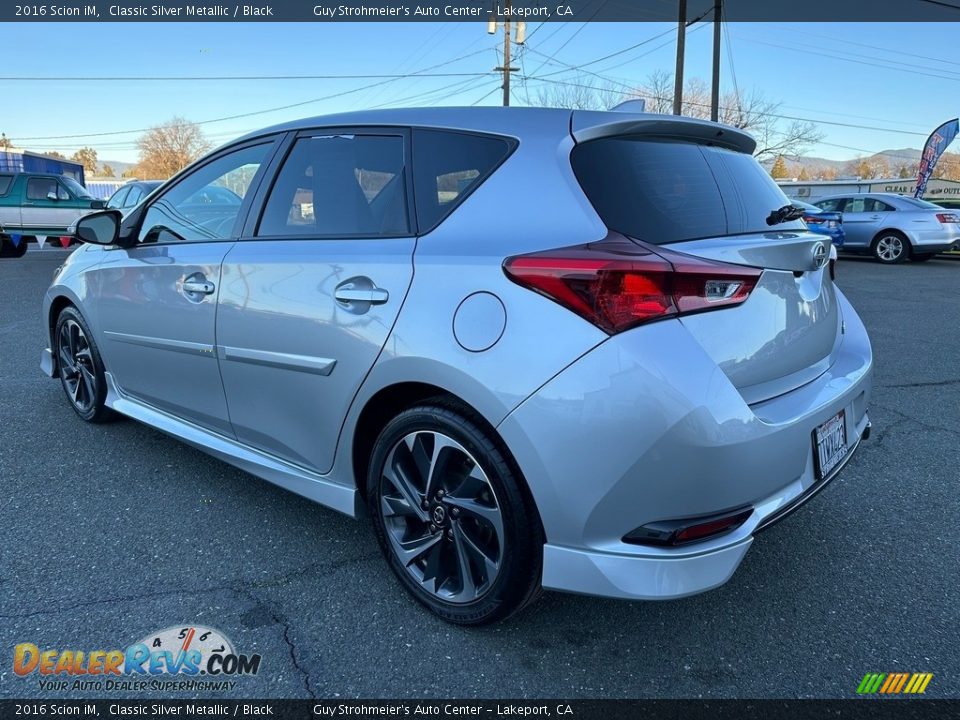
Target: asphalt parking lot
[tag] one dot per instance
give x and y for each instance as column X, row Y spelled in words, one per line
column 109, row 533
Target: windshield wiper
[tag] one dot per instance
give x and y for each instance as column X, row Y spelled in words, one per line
column 784, row 214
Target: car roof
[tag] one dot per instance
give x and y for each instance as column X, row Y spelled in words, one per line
column 519, row 121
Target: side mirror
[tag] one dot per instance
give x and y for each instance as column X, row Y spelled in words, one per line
column 99, row 228
column 51, row 196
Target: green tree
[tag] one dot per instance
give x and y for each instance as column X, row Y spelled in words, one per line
column 5, row 141
column 779, row 169
column 88, row 158
column 904, row 172
column 107, row 171
column 804, row 175
column 55, row 154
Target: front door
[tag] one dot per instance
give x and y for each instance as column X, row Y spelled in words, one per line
column 157, row 301
column 47, row 205
column 308, row 299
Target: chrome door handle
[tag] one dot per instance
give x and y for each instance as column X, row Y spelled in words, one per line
column 200, row 287
column 374, row 296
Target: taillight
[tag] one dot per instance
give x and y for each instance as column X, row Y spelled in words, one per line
column 618, row 284
column 947, row 218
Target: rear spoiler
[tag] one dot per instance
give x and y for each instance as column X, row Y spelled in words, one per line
column 591, row 125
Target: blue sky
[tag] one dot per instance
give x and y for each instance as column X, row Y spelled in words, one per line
column 891, row 83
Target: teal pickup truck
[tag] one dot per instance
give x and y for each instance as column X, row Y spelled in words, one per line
column 34, row 204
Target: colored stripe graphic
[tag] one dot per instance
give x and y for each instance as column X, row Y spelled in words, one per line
column 894, row 683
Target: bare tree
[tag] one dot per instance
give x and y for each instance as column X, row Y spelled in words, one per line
column 167, row 149
column 5, row 141
column 751, row 111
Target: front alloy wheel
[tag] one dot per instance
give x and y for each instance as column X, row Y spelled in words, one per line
column 452, row 516
column 80, row 367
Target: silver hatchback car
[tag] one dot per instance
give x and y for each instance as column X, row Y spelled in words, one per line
column 593, row 352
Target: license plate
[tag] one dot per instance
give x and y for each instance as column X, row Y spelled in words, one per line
column 829, row 445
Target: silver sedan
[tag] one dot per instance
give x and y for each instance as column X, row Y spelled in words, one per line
column 893, row 227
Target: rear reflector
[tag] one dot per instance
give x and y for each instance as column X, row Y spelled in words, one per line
column 618, row 284
column 671, row 533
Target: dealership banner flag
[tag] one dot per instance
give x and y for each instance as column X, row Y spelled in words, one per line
column 936, row 144
column 15, row 239
column 65, row 240
column 41, row 239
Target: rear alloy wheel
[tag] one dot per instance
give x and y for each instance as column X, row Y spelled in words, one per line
column 8, row 249
column 80, row 368
column 451, row 518
column 891, row 247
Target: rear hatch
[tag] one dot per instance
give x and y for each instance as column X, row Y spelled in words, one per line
column 689, row 188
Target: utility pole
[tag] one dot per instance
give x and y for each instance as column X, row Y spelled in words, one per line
column 715, row 90
column 521, row 29
column 681, row 47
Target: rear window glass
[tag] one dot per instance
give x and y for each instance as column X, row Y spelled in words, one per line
column 340, row 185
column 448, row 166
column 663, row 191
column 5, row 182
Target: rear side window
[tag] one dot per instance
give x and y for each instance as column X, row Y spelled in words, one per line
column 339, row 186
column 663, row 191
column 448, row 166
column 5, row 182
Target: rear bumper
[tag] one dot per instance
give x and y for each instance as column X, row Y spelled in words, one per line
column 932, row 249
column 647, row 428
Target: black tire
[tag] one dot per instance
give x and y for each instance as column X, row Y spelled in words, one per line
column 890, row 247
column 80, row 367
column 916, row 257
column 9, row 250
column 490, row 594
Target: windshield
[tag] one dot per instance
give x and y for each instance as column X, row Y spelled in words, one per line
column 661, row 190
column 76, row 188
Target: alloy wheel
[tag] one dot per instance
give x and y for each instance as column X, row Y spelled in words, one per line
column 890, row 248
column 441, row 516
column 76, row 366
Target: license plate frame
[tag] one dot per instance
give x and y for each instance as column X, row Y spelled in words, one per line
column 830, row 445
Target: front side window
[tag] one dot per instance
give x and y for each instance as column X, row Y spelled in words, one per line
column 41, row 188
column 858, row 205
column 135, row 196
column 339, row 186
column 117, row 200
column 185, row 212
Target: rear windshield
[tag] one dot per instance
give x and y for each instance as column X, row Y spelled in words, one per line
column 662, row 190
column 922, row 204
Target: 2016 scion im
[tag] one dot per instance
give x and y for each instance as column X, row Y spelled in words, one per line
column 595, row 352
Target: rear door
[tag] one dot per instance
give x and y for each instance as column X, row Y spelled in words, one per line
column 310, row 293
column 863, row 218
column 691, row 197
column 157, row 301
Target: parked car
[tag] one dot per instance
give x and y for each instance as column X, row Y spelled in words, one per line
column 892, row 227
column 129, row 195
column 588, row 351
column 34, row 204
column 822, row 222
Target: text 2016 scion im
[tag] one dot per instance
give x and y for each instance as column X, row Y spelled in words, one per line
column 595, row 352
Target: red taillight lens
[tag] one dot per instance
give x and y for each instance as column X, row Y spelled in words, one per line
column 617, row 284
column 947, row 218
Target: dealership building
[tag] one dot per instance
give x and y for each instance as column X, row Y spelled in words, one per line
column 811, row 190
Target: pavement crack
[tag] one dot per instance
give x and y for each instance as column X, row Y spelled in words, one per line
column 933, row 383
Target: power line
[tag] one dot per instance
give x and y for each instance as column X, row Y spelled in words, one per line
column 220, row 78
column 265, row 111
